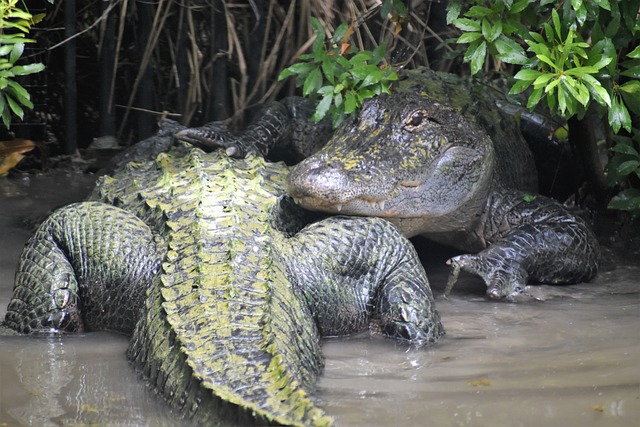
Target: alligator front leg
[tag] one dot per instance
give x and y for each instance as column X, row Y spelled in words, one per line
column 87, row 266
column 529, row 241
column 285, row 125
column 360, row 273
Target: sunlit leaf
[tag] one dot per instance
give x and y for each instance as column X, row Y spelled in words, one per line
column 467, row 24
column 469, row 37
column 16, row 52
column 477, row 57
column 527, row 74
column 635, row 53
column 453, row 10
column 509, row 51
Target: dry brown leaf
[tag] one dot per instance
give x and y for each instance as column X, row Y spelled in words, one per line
column 11, row 153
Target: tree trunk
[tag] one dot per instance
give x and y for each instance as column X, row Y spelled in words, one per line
column 582, row 134
column 70, row 143
column 107, row 125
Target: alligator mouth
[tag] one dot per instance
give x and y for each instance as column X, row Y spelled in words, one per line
column 356, row 206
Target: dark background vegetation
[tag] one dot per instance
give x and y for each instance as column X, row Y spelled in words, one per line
column 193, row 61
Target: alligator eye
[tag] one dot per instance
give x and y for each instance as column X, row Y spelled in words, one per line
column 417, row 119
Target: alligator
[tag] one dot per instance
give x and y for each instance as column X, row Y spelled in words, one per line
column 439, row 157
column 224, row 284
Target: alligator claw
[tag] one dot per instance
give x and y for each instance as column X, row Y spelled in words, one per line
column 503, row 277
column 209, row 137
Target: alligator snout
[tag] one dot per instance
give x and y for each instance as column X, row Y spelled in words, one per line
column 321, row 180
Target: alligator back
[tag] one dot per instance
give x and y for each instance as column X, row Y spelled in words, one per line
column 222, row 290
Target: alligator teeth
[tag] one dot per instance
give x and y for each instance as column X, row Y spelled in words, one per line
column 378, row 205
column 339, row 207
column 296, row 201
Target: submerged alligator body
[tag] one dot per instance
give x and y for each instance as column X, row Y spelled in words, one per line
column 225, row 290
column 439, row 157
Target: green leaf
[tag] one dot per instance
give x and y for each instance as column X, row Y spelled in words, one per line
column 519, row 6
column 18, row 13
column 519, row 86
column 603, row 4
column 337, row 99
column 633, row 72
column 5, row 111
column 322, row 108
column 635, row 53
column 625, row 168
column 453, row 10
column 340, row 32
column 527, row 74
column 15, row 107
column 478, row 12
column 465, row 24
column 325, row 90
column 562, row 100
column 374, row 76
column 469, row 37
column 549, row 62
column 23, row 70
column 552, row 85
column 579, row 71
column 509, row 51
column 625, row 149
column 318, row 29
column 632, row 86
column 300, row 68
column 16, row 52
column 542, row 80
column 626, row 200
column 619, row 116
column 534, row 98
column 328, row 69
column 578, row 90
column 496, row 31
column 312, row 83
column 5, row 49
column 477, row 57
column 350, row 102
column 599, row 93
column 19, row 93
column 632, row 101
column 556, row 21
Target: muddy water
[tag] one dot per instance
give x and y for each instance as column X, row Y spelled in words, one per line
column 571, row 360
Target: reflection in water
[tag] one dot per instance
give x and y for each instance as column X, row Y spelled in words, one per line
column 75, row 380
column 43, row 374
column 572, row 360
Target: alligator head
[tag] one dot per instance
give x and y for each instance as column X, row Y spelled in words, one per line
column 406, row 158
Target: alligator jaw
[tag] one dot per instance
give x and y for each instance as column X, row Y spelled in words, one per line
column 357, row 206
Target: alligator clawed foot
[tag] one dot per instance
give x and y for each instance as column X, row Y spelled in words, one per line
column 504, row 278
column 209, row 137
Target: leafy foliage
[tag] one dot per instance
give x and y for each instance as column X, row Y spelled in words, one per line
column 341, row 76
column 624, row 164
column 573, row 53
column 571, row 50
column 15, row 24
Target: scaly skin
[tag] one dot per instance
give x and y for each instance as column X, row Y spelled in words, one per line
column 438, row 158
column 202, row 259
